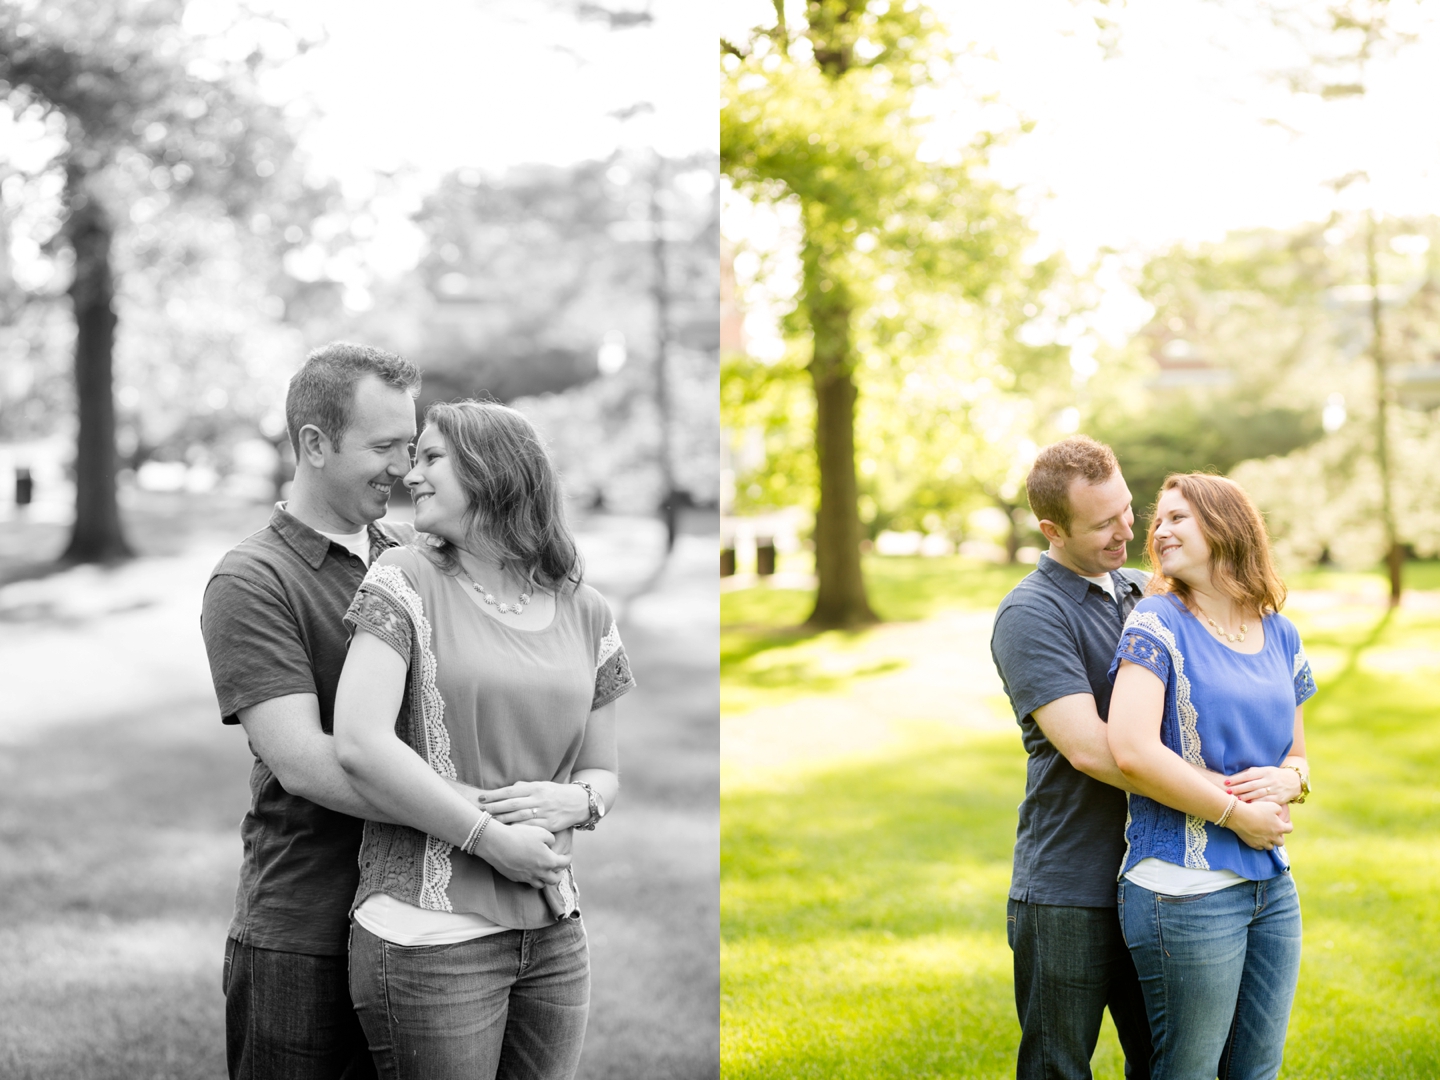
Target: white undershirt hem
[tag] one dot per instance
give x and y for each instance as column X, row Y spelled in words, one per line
column 400, row 923
column 1166, row 878
column 1106, row 582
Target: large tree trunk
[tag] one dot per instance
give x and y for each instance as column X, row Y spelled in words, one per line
column 840, row 599
column 97, row 536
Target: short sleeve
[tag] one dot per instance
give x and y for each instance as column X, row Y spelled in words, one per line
column 612, row 669
column 1304, row 680
column 1140, row 646
column 380, row 607
column 254, row 645
column 1038, row 657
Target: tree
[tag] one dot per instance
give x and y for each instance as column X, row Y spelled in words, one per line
column 545, row 281
column 825, row 114
column 1343, row 39
column 148, row 112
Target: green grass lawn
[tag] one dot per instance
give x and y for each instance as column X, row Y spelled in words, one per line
column 863, row 903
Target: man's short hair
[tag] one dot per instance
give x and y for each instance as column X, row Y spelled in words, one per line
column 1057, row 466
column 322, row 392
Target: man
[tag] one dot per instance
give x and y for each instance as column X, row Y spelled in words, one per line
column 272, row 622
column 1054, row 637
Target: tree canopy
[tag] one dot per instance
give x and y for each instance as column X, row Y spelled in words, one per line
column 913, row 269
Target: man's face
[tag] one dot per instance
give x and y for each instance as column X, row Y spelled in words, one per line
column 1100, row 526
column 373, row 453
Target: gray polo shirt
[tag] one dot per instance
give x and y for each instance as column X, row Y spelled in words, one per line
column 1055, row 635
column 273, row 623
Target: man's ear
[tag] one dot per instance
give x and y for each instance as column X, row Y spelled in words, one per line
column 1053, row 533
column 314, row 446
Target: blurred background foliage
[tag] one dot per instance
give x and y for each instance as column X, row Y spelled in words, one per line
column 155, row 179
column 1258, row 357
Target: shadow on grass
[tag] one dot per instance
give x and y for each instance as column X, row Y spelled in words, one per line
column 118, row 848
column 755, row 621
column 863, row 918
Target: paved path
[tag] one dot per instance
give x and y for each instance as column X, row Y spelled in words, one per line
column 120, row 794
column 945, row 676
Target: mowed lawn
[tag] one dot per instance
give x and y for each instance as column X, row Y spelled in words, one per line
column 863, row 893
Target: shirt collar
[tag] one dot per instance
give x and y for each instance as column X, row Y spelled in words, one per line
column 1075, row 586
column 311, row 545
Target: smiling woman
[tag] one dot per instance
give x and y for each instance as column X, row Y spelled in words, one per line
column 1206, row 723
column 509, row 686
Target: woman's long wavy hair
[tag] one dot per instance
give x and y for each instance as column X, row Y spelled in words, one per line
column 1240, row 562
column 514, row 509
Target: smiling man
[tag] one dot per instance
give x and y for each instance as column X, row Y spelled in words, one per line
column 272, row 623
column 1054, row 637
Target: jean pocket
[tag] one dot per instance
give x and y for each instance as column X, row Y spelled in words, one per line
column 1176, row 901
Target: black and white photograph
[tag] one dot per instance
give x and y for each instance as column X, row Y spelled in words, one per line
column 359, row 487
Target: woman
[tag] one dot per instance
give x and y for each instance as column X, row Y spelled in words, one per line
column 1209, row 673
column 467, row 955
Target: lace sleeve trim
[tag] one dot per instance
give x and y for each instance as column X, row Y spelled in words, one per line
column 1305, row 687
column 375, row 609
column 612, row 669
column 1140, row 647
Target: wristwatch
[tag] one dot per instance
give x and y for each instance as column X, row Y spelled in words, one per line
column 1304, row 785
column 597, row 808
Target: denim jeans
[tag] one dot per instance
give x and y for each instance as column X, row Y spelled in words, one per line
column 1070, row 965
column 289, row 1015
column 512, row 1005
column 1219, row 972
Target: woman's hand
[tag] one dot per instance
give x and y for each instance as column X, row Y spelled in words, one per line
column 1262, row 825
column 523, row 853
column 1265, row 783
column 544, row 803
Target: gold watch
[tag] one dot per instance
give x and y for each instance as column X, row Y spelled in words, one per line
column 1304, row 784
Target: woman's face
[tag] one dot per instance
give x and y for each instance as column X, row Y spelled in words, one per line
column 439, row 497
column 1179, row 544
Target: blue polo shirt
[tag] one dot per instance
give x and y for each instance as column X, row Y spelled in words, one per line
column 1055, row 635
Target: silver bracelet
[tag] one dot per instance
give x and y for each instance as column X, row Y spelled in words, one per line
column 473, row 840
column 594, row 800
column 1234, row 801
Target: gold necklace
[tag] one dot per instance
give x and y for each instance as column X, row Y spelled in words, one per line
column 1232, row 638
column 489, row 598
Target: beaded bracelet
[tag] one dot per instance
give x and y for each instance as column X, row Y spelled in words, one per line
column 473, row 840
column 1234, row 801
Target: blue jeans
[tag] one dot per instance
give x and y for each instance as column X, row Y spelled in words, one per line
column 1219, row 972
column 1070, row 965
column 289, row 1014
column 511, row 1005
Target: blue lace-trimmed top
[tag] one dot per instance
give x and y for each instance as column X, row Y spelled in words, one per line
column 1225, row 711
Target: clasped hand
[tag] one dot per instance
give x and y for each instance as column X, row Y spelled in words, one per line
column 527, row 854
column 538, row 802
column 1265, row 792
column 1265, row 783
